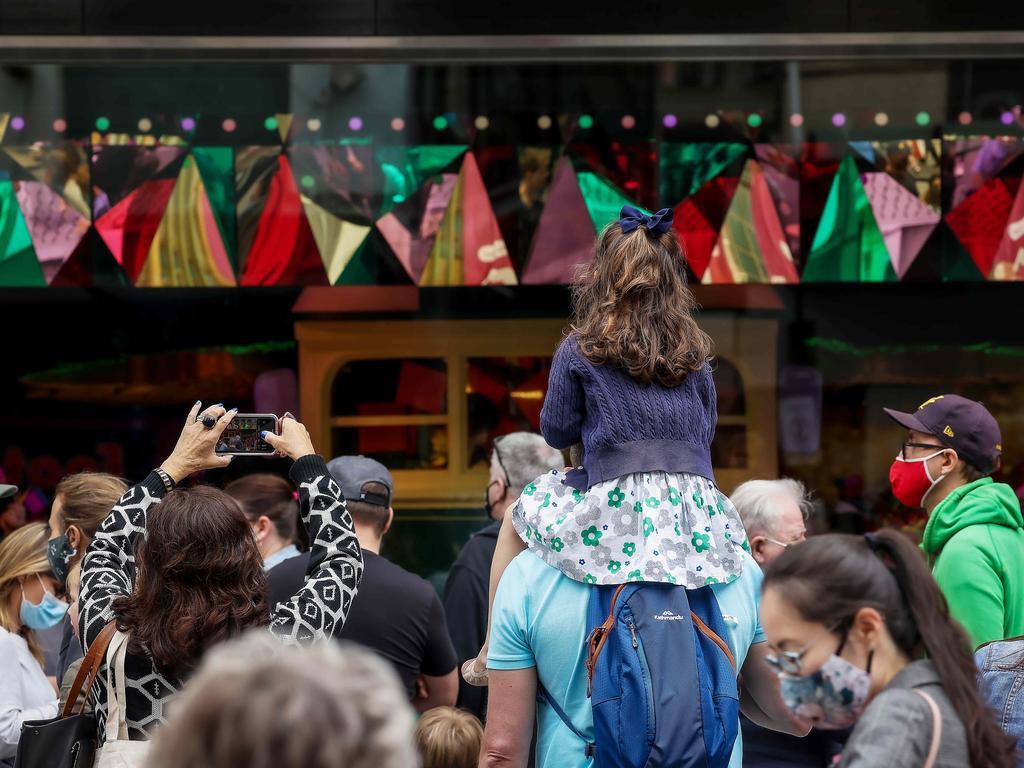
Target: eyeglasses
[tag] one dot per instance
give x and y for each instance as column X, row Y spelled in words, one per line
column 903, row 450
column 779, row 543
column 497, row 455
column 791, row 662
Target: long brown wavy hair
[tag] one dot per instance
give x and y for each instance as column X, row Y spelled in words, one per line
column 830, row 578
column 199, row 580
column 633, row 309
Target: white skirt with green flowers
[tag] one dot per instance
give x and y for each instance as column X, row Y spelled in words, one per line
column 649, row 526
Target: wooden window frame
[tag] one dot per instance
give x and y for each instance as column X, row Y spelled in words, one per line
column 326, row 346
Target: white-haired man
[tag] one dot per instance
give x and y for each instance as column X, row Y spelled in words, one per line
column 516, row 460
column 773, row 514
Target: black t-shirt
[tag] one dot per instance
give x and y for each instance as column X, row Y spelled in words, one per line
column 395, row 613
column 465, row 601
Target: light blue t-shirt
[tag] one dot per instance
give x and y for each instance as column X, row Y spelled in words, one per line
column 541, row 614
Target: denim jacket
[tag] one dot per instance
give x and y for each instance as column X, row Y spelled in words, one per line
column 1001, row 679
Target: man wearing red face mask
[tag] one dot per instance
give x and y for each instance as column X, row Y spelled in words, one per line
column 975, row 533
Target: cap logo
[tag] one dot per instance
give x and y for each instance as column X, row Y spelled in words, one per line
column 948, row 431
column 929, row 401
column 999, row 447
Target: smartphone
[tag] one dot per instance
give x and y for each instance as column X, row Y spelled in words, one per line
column 242, row 436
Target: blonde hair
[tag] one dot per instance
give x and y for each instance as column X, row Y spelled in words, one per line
column 449, row 738
column 256, row 702
column 633, row 310
column 22, row 553
column 86, row 499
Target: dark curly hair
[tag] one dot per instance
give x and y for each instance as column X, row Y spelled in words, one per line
column 199, row 580
column 633, row 309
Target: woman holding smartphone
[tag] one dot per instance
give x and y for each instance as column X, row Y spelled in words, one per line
column 179, row 570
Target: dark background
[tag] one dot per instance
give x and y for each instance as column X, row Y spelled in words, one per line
column 473, row 17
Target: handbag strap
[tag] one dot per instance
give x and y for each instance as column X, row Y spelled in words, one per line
column 89, row 669
column 933, row 750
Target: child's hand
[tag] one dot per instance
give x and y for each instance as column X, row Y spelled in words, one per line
column 576, row 456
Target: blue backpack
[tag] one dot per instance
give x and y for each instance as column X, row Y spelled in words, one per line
column 662, row 680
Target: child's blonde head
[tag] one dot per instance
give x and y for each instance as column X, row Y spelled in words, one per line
column 634, row 310
column 449, row 738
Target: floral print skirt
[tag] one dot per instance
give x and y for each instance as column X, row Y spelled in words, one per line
column 649, row 526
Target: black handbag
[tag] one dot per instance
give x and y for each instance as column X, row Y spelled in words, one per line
column 68, row 740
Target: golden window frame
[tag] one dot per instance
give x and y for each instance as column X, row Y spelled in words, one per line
column 325, row 346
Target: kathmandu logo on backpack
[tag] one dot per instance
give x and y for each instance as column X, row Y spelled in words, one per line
column 669, row 616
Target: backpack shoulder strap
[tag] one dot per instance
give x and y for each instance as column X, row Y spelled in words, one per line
column 599, row 636
column 933, row 750
column 547, row 698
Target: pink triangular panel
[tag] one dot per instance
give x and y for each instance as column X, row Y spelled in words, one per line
column 772, row 240
column 129, row 227
column 1009, row 260
column 484, row 255
column 55, row 227
column 217, row 250
column 565, row 233
column 424, row 211
column 783, row 177
column 898, row 210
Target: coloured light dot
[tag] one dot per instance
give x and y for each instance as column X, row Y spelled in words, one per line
column 1006, row 118
column 355, row 123
column 712, row 121
column 314, row 124
column 628, row 122
column 397, row 124
column 544, row 122
column 270, row 123
column 17, row 122
column 754, row 120
column 482, row 123
column 586, row 121
column 102, row 123
column 964, row 118
column 145, row 125
column 881, row 119
column 307, row 182
column 229, row 125
column 796, row 120
column 922, row 118
column 60, row 125
column 396, row 199
column 838, row 119
column 670, row 121
column 440, row 123
column 188, row 124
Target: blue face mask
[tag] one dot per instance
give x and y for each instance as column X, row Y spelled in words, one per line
column 48, row 613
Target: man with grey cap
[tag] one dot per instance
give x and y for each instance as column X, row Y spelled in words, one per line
column 395, row 613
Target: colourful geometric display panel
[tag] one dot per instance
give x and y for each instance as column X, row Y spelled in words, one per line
column 453, row 215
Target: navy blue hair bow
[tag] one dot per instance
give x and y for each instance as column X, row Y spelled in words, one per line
column 631, row 218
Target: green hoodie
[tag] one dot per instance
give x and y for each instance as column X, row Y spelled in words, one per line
column 975, row 541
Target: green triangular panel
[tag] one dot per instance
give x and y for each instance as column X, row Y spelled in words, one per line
column 957, row 264
column 406, row 169
column 848, row 246
column 217, row 170
column 18, row 263
column 362, row 269
column 686, row 167
column 604, row 200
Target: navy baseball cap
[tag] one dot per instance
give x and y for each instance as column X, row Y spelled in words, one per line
column 964, row 425
column 353, row 472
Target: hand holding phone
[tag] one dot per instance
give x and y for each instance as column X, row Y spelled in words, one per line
column 242, row 435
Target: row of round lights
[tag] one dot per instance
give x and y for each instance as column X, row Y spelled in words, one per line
column 544, row 122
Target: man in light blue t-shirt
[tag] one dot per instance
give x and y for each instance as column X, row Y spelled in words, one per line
column 538, row 628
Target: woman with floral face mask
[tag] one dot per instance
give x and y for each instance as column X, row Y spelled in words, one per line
column 862, row 636
column 28, row 602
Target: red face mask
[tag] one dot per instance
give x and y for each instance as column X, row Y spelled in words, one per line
column 911, row 481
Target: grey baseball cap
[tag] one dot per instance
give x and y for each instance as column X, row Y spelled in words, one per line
column 354, row 472
column 6, row 491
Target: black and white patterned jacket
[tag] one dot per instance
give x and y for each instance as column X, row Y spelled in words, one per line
column 315, row 612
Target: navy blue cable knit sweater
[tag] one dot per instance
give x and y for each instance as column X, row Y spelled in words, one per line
column 626, row 426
